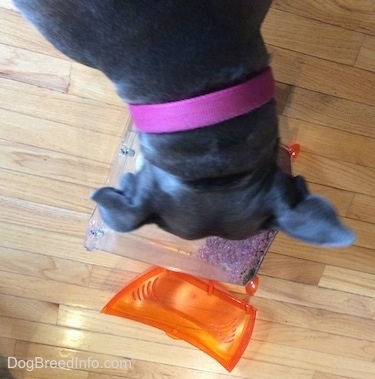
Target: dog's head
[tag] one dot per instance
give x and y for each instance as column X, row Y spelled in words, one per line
column 234, row 210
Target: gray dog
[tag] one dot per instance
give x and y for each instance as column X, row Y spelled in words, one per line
column 220, row 180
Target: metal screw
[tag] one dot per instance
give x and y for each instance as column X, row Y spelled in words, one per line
column 126, row 151
column 96, row 233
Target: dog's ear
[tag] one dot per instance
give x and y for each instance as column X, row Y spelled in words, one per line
column 121, row 209
column 313, row 219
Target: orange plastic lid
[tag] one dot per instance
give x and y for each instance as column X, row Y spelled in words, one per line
column 199, row 311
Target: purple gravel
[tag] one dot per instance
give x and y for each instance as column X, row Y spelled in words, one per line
column 242, row 259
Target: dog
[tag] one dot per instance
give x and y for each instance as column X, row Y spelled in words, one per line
column 219, row 179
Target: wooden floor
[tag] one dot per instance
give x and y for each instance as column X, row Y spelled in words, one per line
column 60, row 124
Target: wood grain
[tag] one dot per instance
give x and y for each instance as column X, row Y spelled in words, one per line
column 348, row 280
column 323, row 76
column 340, row 45
column 363, row 208
column 88, row 83
column 37, row 132
column 30, row 67
column 55, row 106
column 331, row 111
column 318, row 139
column 366, row 56
column 347, row 14
column 14, row 31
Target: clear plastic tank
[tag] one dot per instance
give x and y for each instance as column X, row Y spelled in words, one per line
column 235, row 262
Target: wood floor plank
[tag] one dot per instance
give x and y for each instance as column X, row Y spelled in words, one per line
column 58, row 245
column 312, row 341
column 183, row 374
column 46, row 191
column 7, row 349
column 63, row 108
column 51, row 291
column 114, row 280
column 348, row 14
column 316, row 319
column 322, row 375
column 89, row 83
column 309, row 360
column 362, row 208
column 316, row 139
column 95, row 375
column 28, row 309
column 323, row 76
column 48, row 373
column 5, row 374
column 58, row 137
column 348, row 281
column 42, row 266
column 50, row 164
column 353, row 257
column 41, row 216
column 253, row 370
column 340, row 45
column 33, row 68
column 366, row 56
column 322, row 298
column 332, row 111
column 15, row 31
column 334, row 173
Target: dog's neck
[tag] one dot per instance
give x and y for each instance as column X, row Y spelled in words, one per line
column 205, row 110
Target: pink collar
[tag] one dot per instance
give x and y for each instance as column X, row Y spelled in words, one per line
column 207, row 109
